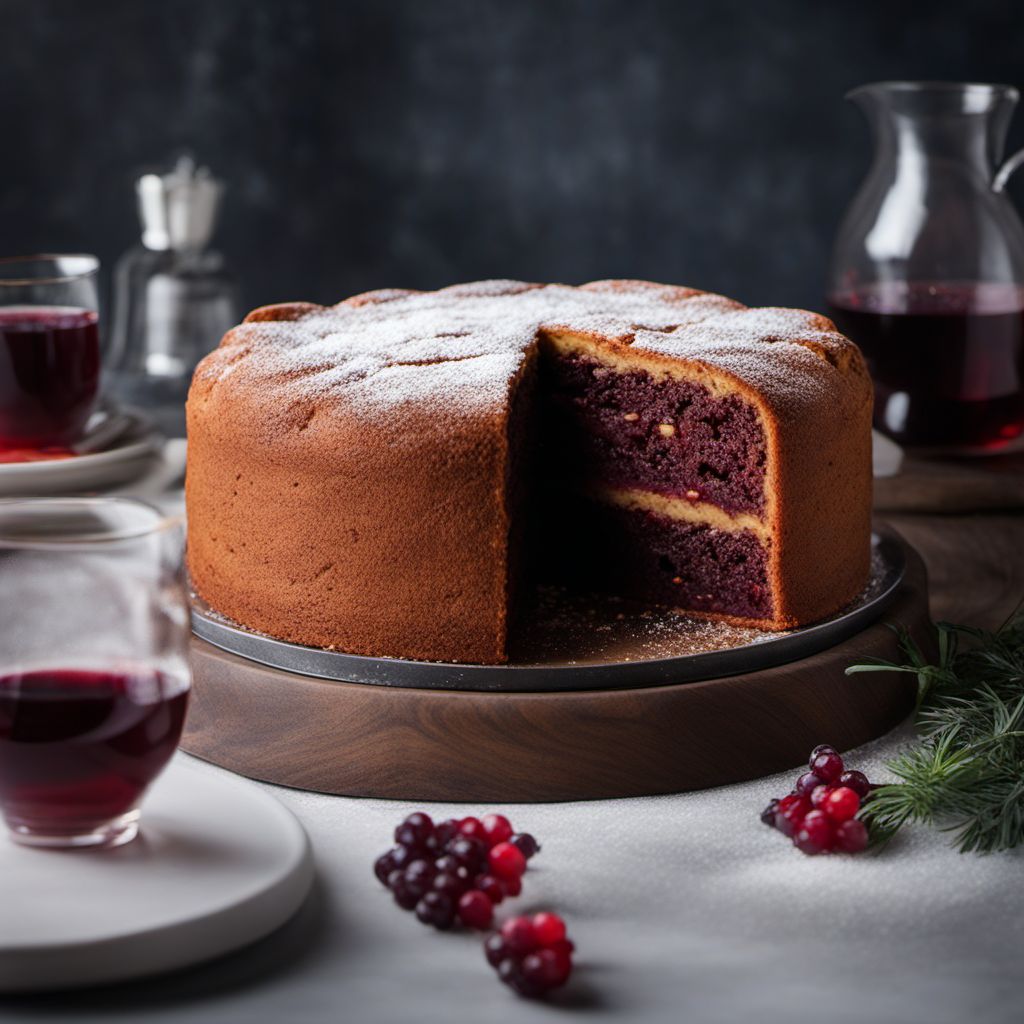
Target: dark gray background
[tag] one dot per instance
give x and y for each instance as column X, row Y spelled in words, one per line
column 421, row 143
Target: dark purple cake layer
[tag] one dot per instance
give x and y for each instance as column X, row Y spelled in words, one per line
column 669, row 436
column 653, row 558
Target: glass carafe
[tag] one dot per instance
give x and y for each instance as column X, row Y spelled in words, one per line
column 928, row 270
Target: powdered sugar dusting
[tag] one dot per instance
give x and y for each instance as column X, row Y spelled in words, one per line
column 778, row 350
column 466, row 343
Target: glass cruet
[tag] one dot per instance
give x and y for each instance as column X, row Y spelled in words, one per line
column 927, row 273
column 174, row 297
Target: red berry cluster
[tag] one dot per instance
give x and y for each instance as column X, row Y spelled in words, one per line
column 820, row 813
column 531, row 954
column 455, row 869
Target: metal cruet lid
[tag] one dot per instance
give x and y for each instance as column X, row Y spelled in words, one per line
column 178, row 209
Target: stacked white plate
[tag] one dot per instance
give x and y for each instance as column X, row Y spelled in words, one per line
column 119, row 446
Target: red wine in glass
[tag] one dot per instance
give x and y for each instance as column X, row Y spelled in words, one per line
column 947, row 361
column 79, row 748
column 49, row 374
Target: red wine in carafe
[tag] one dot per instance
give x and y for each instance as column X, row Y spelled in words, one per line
column 947, row 360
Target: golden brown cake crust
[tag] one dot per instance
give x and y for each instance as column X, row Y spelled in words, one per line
column 347, row 465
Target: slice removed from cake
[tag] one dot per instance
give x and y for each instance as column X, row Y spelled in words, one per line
column 721, row 467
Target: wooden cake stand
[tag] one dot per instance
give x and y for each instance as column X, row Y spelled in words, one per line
column 648, row 736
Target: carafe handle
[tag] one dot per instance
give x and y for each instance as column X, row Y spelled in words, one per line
column 1004, row 172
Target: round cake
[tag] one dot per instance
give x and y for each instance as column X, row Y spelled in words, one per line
column 387, row 476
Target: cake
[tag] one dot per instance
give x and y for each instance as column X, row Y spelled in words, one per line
column 388, row 475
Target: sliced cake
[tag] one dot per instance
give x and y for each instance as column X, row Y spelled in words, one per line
column 384, row 476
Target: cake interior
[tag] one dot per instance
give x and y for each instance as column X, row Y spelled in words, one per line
column 648, row 485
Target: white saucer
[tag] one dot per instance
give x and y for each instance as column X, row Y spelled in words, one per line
column 218, row 864
column 119, row 446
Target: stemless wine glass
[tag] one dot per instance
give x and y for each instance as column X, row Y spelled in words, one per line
column 49, row 350
column 94, row 676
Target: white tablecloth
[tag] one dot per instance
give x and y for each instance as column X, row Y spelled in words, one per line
column 683, row 908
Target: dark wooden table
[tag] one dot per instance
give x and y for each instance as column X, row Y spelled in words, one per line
column 966, row 519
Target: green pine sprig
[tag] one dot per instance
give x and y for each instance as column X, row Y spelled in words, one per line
column 965, row 772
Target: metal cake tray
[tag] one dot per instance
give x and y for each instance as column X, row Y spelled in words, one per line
column 584, row 642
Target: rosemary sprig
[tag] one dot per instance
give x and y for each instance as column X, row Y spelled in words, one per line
column 965, row 772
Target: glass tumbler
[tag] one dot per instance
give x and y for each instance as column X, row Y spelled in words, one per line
column 94, row 675
column 49, row 350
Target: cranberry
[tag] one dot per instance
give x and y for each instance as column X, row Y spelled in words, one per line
column 402, row 856
column 546, row 969
column 791, row 813
column 816, row 834
column 820, row 814
column 475, row 909
column 497, row 829
column 470, row 853
column 403, row 895
column 450, row 884
column 842, row 804
column 506, row 861
column 806, row 783
column 459, row 870
column 512, row 886
column 532, row 955
column 383, row 866
column 418, row 876
column 828, row 766
column 473, row 827
column 790, row 800
column 548, row 928
column 820, row 795
column 495, row 949
column 444, row 833
column 415, row 830
column 525, row 844
column 511, row 974
column 447, row 863
column 519, row 935
column 490, row 887
column 857, row 781
column 437, row 909
column 851, row 836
